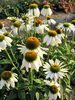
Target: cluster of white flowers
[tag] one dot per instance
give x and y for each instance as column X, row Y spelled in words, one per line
column 32, row 50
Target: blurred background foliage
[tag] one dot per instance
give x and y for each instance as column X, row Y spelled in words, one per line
column 19, row 7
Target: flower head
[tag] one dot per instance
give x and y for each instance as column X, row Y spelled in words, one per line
column 37, row 22
column 54, row 70
column 33, row 6
column 4, row 41
column 8, row 79
column 54, row 90
column 60, row 33
column 73, row 22
column 31, row 60
column 52, row 33
column 68, row 27
column 32, row 43
column 46, row 10
column 12, row 19
column 49, row 20
column 17, row 24
column 33, row 10
column 51, row 38
column 46, row 6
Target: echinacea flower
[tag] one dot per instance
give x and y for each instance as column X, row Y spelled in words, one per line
column 54, row 70
column 54, row 90
column 39, row 26
column 49, row 21
column 12, row 19
column 46, row 10
column 31, row 60
column 2, row 28
column 66, row 27
column 15, row 27
column 8, row 79
column 60, row 33
column 51, row 38
column 33, row 10
column 33, row 43
column 73, row 21
column 4, row 42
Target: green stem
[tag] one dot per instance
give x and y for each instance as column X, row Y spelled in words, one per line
column 31, row 75
column 14, row 57
column 11, row 61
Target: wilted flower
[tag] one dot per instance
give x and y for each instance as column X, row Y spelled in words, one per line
column 31, row 60
column 54, row 90
column 8, row 79
column 54, row 69
column 33, row 10
column 51, row 38
column 4, row 41
column 46, row 10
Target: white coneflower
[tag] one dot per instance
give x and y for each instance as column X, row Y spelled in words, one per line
column 2, row 28
column 32, row 43
column 31, row 60
column 8, row 79
column 73, row 22
column 12, row 19
column 51, row 38
column 46, row 10
column 66, row 27
column 27, row 23
column 4, row 41
column 39, row 26
column 54, row 69
column 33, row 10
column 49, row 21
column 60, row 33
column 15, row 27
column 54, row 90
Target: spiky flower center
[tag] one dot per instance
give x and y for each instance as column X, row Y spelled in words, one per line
column 13, row 19
column 54, row 89
column 52, row 33
column 6, row 33
column 32, row 6
column 59, row 30
column 6, row 75
column 48, row 17
column 55, row 68
column 46, row 6
column 32, row 43
column 73, row 22
column 17, row 23
column 2, row 37
column 30, row 56
column 1, row 25
column 37, row 22
column 66, row 24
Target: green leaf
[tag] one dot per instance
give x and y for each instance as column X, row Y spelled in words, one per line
column 12, row 95
column 37, row 95
column 5, row 61
column 21, row 95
